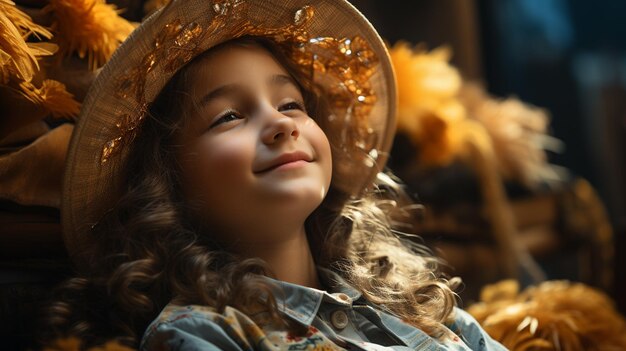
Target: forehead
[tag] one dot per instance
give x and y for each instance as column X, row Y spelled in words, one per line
column 232, row 63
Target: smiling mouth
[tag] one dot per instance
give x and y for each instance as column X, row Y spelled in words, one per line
column 287, row 165
column 288, row 161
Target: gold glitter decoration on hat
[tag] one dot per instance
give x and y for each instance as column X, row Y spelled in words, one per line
column 331, row 42
column 347, row 63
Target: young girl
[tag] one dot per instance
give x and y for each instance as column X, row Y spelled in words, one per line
column 223, row 191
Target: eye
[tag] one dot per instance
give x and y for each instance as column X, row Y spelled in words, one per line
column 292, row 105
column 228, row 116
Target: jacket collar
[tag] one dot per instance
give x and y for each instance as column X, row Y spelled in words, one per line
column 301, row 303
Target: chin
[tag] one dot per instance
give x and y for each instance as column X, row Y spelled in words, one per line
column 308, row 195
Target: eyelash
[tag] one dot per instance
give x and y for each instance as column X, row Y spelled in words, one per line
column 223, row 118
column 292, row 105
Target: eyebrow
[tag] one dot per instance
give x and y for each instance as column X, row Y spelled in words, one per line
column 282, row 79
column 278, row 80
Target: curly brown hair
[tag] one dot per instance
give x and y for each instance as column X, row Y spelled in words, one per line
column 147, row 251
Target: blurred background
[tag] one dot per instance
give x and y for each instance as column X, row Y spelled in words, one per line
column 567, row 56
column 512, row 135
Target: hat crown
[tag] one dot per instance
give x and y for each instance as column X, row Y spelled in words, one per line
column 330, row 39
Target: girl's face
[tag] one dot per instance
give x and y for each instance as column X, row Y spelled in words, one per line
column 250, row 155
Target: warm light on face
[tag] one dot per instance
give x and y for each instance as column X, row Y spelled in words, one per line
column 251, row 154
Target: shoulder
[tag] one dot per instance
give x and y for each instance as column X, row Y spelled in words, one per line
column 196, row 327
column 472, row 333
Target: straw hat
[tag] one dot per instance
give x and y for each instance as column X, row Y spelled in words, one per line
column 329, row 39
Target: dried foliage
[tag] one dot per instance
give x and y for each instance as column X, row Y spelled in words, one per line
column 441, row 113
column 554, row 315
column 91, row 28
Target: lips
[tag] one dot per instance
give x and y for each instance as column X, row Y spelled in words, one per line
column 284, row 159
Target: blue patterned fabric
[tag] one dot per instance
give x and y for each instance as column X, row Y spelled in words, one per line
column 337, row 319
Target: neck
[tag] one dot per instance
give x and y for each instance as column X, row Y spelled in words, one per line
column 290, row 259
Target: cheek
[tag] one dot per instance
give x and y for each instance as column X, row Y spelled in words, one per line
column 319, row 140
column 214, row 170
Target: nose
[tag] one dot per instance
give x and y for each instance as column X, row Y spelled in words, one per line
column 279, row 128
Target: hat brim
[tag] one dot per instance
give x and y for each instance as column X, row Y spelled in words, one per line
column 91, row 187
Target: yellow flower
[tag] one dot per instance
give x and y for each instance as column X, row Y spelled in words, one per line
column 91, row 28
column 424, row 78
column 53, row 97
column 18, row 62
column 22, row 21
column 16, row 58
column 554, row 315
column 428, row 107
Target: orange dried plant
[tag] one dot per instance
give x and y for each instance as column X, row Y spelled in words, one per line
column 554, row 315
column 91, row 28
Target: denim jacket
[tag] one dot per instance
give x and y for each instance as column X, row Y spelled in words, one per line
column 339, row 319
